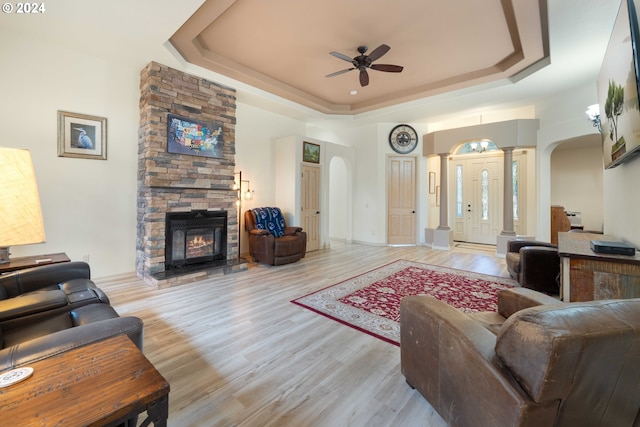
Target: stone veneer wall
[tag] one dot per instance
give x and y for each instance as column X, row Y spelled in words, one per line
column 170, row 182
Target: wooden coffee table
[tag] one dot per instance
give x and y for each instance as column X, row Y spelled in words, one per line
column 101, row 384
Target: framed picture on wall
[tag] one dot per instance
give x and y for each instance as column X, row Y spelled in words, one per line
column 194, row 137
column 432, row 182
column 82, row 136
column 310, row 152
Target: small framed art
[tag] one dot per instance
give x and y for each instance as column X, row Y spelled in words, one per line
column 310, row 152
column 82, row 136
column 432, row 182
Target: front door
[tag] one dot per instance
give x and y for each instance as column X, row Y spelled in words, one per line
column 311, row 205
column 477, row 203
column 402, row 200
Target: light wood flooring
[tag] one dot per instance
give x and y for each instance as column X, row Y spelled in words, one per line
column 237, row 352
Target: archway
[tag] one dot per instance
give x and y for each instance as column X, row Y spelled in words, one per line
column 577, row 184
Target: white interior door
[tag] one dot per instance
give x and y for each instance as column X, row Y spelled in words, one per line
column 401, row 172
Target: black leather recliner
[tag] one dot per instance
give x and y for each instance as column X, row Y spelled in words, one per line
column 28, row 339
column 534, row 264
column 57, row 287
column 51, row 309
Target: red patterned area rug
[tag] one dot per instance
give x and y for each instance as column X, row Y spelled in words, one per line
column 370, row 302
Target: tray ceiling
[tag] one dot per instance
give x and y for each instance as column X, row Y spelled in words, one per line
column 283, row 46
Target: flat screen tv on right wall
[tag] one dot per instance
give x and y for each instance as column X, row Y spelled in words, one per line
column 618, row 88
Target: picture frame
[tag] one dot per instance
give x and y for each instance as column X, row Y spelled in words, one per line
column 194, row 137
column 618, row 88
column 432, row 182
column 82, row 136
column 310, row 152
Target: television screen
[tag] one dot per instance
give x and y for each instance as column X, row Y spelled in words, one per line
column 618, row 89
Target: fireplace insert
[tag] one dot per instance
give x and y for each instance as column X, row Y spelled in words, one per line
column 195, row 237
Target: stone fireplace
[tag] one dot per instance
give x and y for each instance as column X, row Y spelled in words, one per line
column 179, row 185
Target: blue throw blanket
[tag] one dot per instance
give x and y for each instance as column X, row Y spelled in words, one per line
column 270, row 219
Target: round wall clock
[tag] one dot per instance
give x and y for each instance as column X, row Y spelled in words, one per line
column 403, row 139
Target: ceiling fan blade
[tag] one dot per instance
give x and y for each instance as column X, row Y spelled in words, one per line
column 341, row 56
column 387, row 67
column 364, row 78
column 378, row 52
column 339, row 72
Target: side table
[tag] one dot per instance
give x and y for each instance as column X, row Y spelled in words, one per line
column 20, row 263
column 100, row 384
column 587, row 275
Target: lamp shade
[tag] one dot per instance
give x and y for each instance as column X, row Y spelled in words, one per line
column 20, row 213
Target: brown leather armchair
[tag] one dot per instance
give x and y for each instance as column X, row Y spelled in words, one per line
column 270, row 240
column 559, row 364
column 534, row 264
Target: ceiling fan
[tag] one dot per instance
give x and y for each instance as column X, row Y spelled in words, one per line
column 362, row 62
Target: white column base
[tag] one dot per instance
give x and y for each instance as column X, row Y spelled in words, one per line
column 440, row 239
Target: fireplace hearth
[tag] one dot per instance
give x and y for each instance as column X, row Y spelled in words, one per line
column 195, row 238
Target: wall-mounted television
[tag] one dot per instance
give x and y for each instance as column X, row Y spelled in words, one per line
column 618, row 88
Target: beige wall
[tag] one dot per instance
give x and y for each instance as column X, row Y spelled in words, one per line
column 577, row 180
column 89, row 206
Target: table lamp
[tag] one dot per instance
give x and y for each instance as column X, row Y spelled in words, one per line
column 20, row 213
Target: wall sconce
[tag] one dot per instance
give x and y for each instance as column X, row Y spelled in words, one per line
column 237, row 187
column 593, row 115
column 480, row 148
column 241, row 195
column 248, row 195
column 20, row 213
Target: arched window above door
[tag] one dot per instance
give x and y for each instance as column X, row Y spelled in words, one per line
column 478, row 146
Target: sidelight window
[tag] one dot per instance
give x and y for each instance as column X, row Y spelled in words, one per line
column 485, row 194
column 459, row 191
column 516, row 192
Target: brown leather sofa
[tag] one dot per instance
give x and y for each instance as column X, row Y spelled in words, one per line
column 266, row 247
column 534, row 264
column 555, row 364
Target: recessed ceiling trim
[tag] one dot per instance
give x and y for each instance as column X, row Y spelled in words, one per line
column 297, row 68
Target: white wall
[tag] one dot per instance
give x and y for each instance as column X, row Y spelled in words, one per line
column 338, row 200
column 622, row 201
column 562, row 118
column 89, row 206
column 577, row 182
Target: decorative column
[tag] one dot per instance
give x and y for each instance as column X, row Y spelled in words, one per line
column 507, row 217
column 444, row 205
column 507, row 232
column 443, row 235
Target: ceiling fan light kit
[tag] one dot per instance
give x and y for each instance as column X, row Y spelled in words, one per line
column 363, row 62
